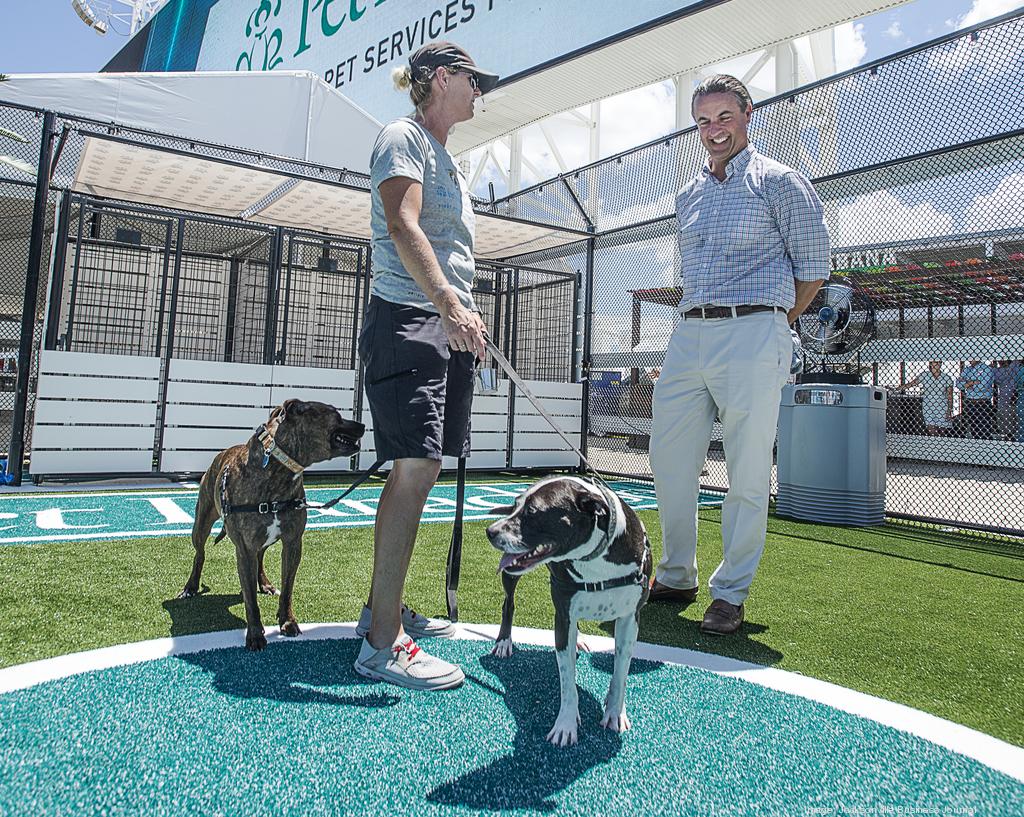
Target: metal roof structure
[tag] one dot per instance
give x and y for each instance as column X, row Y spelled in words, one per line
column 702, row 34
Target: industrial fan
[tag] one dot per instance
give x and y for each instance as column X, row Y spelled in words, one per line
column 833, row 330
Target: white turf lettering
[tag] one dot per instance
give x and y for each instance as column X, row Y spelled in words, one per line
column 53, row 519
column 168, row 509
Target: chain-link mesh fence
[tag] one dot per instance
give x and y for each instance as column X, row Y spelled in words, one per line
column 21, row 131
column 917, row 161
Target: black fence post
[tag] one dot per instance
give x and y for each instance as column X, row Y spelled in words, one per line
column 273, row 284
column 28, row 314
column 57, row 284
column 235, row 275
column 513, row 358
column 588, row 320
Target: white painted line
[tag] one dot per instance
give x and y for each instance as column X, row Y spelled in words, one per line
column 992, row 752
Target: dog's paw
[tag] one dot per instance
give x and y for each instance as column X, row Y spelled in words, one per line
column 564, row 732
column 188, row 592
column 616, row 721
column 502, row 648
column 269, row 590
column 255, row 641
column 290, row 628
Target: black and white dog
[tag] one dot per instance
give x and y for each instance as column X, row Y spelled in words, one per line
column 599, row 558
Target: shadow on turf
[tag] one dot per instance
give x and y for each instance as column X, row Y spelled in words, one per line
column 661, row 623
column 204, row 612
column 535, row 771
column 928, row 540
column 299, row 672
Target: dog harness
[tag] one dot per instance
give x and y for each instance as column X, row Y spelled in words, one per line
column 280, row 506
column 636, row 577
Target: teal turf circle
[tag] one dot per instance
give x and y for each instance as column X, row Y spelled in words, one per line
column 294, row 730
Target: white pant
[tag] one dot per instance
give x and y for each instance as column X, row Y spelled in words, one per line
column 737, row 366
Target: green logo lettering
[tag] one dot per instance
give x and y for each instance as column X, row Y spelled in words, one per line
column 265, row 46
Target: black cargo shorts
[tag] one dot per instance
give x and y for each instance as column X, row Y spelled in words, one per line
column 420, row 391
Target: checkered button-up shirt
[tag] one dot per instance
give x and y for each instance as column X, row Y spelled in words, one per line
column 743, row 240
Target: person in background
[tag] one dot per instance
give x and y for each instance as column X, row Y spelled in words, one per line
column 1019, row 389
column 976, row 382
column 1004, row 379
column 936, row 398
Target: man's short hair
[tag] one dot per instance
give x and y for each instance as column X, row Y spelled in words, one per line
column 722, row 84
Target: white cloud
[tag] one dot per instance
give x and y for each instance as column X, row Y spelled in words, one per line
column 1002, row 208
column 881, row 217
column 983, row 10
column 636, row 117
column 894, row 30
column 850, row 45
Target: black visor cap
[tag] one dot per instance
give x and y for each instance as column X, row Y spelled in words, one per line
column 434, row 55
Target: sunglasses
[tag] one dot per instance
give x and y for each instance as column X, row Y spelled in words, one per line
column 474, row 82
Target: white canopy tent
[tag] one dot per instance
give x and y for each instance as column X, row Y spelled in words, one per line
column 284, row 113
column 118, row 168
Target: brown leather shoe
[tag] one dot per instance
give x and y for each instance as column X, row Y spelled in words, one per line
column 662, row 592
column 722, row 618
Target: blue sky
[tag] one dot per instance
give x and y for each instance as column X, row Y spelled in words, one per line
column 47, row 36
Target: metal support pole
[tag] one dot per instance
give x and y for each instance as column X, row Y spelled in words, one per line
column 353, row 352
column 73, row 298
column 513, row 316
column 273, row 284
column 234, row 277
column 28, row 313
column 165, row 363
column 57, row 282
column 281, row 354
column 588, row 320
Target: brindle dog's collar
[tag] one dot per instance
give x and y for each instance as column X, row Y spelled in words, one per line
column 272, row 449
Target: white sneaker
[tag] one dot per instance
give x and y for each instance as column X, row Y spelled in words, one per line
column 405, row 664
column 413, row 623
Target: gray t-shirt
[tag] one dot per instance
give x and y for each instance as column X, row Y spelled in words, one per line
column 406, row 149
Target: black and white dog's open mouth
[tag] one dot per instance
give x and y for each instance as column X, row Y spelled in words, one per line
column 522, row 562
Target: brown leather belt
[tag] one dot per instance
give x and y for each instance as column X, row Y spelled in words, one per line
column 708, row 312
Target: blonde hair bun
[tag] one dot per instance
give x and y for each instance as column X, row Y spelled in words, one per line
column 402, row 78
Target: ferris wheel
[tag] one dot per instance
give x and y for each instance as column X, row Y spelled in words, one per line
column 125, row 17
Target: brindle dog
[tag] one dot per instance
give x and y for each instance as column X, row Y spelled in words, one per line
column 268, row 469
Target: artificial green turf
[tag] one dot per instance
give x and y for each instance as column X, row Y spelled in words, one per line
column 911, row 615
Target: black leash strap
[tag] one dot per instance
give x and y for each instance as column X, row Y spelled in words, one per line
column 373, row 469
column 513, row 375
column 280, row 505
column 454, row 565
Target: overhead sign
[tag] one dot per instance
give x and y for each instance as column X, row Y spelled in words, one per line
column 355, row 44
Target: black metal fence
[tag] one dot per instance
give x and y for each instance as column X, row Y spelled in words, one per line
column 918, row 162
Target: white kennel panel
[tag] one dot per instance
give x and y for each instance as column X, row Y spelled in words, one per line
column 94, row 413
column 534, row 443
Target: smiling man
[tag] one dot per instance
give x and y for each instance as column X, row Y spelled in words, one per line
column 754, row 249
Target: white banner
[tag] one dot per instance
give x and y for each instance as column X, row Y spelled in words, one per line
column 354, row 44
